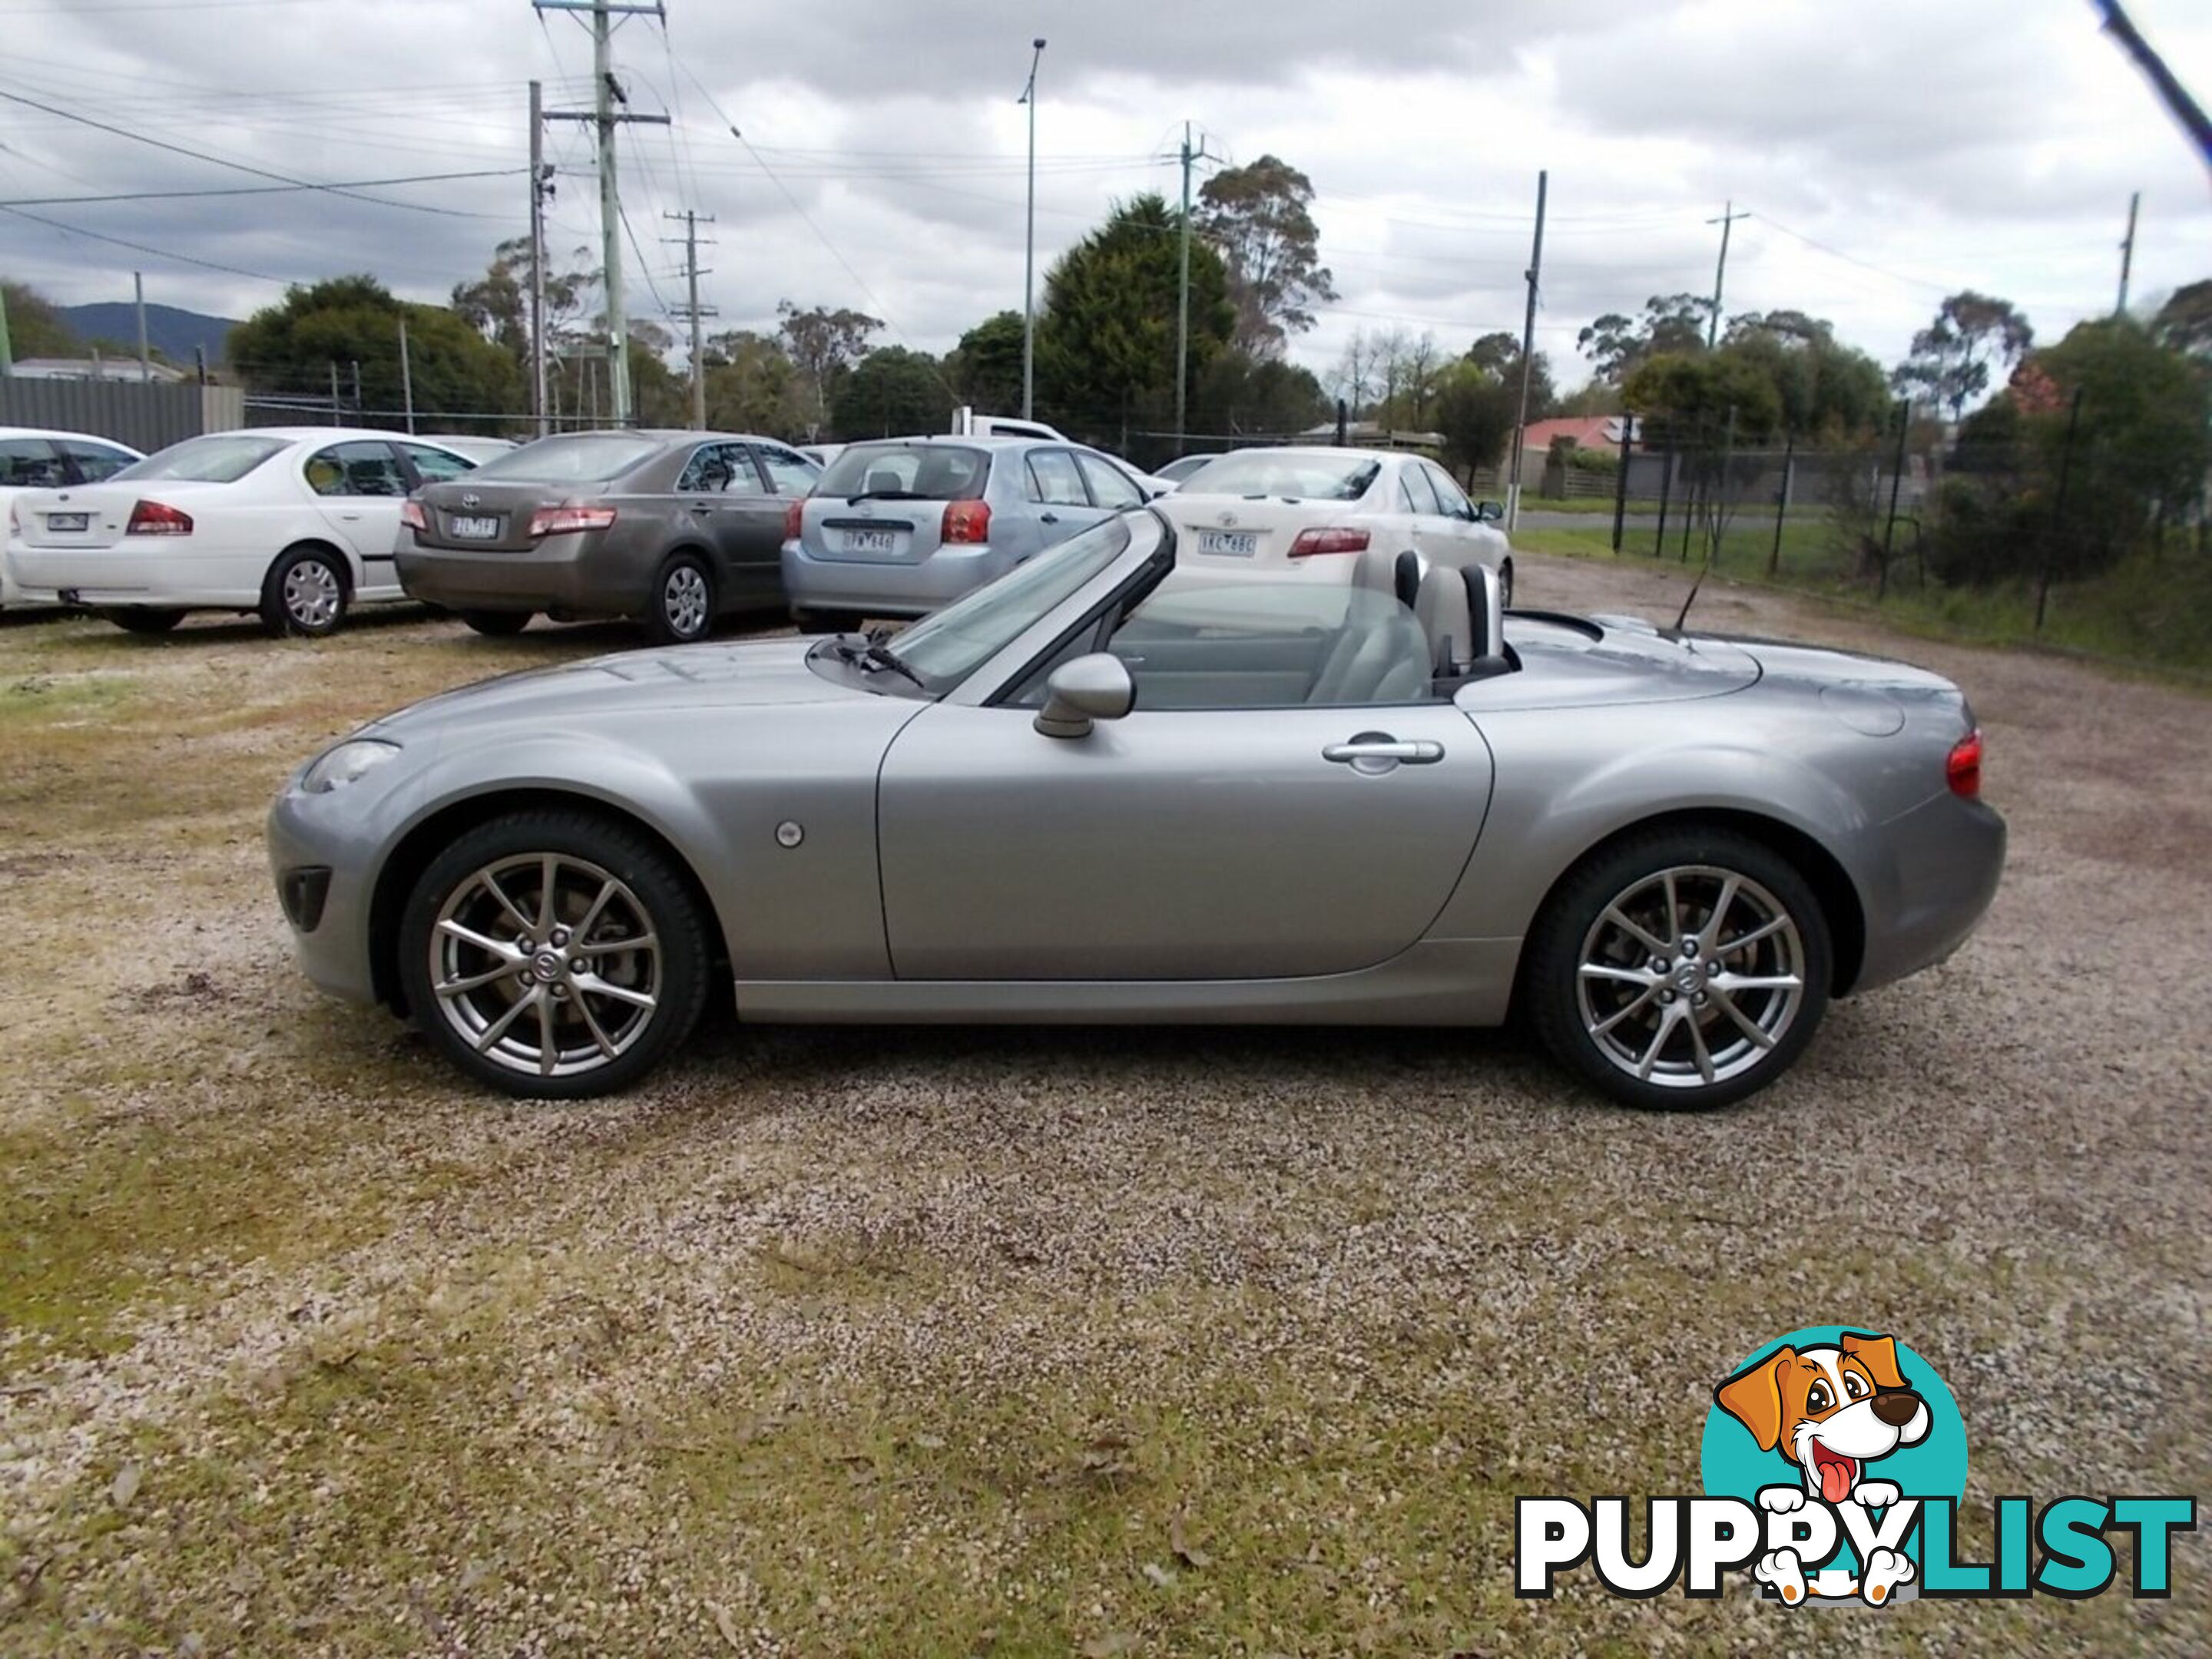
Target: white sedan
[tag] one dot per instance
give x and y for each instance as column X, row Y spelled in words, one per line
column 296, row 524
column 1292, row 511
column 31, row 458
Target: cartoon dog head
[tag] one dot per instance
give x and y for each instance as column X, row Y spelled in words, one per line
column 1831, row 1410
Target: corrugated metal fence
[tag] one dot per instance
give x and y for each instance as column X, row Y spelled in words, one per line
column 147, row 418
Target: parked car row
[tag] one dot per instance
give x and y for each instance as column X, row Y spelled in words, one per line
column 673, row 529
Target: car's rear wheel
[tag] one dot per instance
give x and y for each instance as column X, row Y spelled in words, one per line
column 143, row 618
column 826, row 622
column 1681, row 969
column 304, row 593
column 554, row 954
column 683, row 608
column 499, row 624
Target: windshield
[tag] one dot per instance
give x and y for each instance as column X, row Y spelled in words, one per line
column 218, row 458
column 950, row 644
column 580, row 458
column 1341, row 478
column 936, row 472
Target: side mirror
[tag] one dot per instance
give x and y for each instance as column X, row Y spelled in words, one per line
column 1093, row 688
column 1488, row 513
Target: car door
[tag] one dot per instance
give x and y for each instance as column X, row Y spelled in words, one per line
column 791, row 477
column 1111, row 490
column 359, row 485
column 1229, row 828
column 1470, row 538
column 716, row 482
column 1430, row 531
column 1063, row 500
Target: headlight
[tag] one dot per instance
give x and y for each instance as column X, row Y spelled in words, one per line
column 346, row 763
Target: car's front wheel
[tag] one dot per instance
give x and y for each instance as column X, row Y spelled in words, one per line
column 683, row 609
column 554, row 954
column 305, row 592
column 1505, row 585
column 1682, row 969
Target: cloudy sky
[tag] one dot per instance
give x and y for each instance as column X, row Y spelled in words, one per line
column 1889, row 151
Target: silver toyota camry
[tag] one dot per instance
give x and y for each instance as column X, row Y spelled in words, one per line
column 1106, row 789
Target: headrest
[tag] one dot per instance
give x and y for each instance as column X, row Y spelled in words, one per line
column 1406, row 574
column 1442, row 610
column 1375, row 570
column 882, row 477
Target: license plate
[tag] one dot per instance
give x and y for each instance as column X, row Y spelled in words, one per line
column 1230, row 543
column 473, row 530
column 871, row 541
column 68, row 521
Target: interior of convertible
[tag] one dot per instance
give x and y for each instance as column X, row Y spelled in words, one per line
column 1400, row 632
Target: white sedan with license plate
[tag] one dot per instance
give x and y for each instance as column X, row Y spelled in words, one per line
column 296, row 525
column 1310, row 512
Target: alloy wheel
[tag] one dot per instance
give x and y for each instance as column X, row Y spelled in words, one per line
column 546, row 964
column 313, row 596
column 1691, row 976
column 683, row 601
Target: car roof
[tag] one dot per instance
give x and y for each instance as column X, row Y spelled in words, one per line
column 59, row 432
column 306, row 433
column 981, row 440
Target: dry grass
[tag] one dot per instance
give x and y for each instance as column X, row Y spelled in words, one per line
column 955, row 1342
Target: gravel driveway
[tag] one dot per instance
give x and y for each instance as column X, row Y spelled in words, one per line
column 945, row 1341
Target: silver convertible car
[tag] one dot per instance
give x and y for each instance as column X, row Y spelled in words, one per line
column 1105, row 788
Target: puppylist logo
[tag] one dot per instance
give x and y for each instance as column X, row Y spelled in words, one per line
column 1835, row 1464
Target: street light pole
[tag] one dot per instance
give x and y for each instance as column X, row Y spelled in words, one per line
column 1028, row 247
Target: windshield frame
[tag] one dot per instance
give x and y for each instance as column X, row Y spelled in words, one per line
column 582, row 442
column 138, row 471
column 1205, row 481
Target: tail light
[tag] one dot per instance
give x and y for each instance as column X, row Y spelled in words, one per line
column 1963, row 771
column 566, row 520
column 410, row 514
column 791, row 515
column 1329, row 539
column 158, row 519
column 966, row 523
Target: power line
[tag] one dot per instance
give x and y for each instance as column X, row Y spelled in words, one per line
column 1849, row 260
column 251, row 190
column 143, row 247
column 236, row 167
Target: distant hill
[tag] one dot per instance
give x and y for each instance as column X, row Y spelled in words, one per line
column 169, row 331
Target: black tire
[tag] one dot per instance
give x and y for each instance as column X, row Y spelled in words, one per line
column 1575, row 928
column 498, row 624
column 682, row 608
column 654, row 900
column 1505, row 585
column 826, row 622
column 143, row 618
column 304, row 593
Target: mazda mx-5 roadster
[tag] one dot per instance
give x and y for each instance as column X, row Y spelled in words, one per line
column 1105, row 789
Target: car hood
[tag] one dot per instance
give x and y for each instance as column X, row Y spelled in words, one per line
column 752, row 674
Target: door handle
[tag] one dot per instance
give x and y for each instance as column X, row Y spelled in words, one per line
column 1417, row 752
column 701, row 507
column 1047, row 518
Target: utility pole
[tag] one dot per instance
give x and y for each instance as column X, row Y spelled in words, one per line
column 607, row 92
column 1182, row 301
column 1535, row 275
column 7, row 345
column 1728, row 216
column 406, row 374
column 1028, row 247
column 2128, row 252
column 540, row 188
column 138, row 297
column 694, row 310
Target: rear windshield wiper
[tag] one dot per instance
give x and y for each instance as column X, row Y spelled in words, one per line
column 884, row 495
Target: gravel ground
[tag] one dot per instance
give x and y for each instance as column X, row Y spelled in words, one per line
column 958, row 1341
